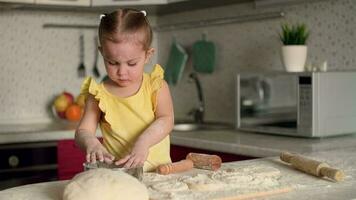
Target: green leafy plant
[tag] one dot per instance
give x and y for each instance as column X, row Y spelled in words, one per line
column 294, row 34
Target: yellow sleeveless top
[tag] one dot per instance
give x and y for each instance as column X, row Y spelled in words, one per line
column 124, row 119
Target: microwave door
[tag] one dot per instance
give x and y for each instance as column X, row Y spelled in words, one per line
column 283, row 122
column 277, row 112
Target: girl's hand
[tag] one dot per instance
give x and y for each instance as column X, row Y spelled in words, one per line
column 96, row 151
column 136, row 158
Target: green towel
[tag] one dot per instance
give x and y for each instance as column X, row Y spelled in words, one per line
column 176, row 62
column 203, row 56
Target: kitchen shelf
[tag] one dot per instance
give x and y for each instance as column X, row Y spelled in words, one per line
column 187, row 25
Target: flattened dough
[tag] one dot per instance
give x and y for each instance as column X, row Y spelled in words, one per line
column 202, row 182
column 104, row 184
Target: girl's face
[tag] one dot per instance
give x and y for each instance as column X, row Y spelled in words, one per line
column 124, row 61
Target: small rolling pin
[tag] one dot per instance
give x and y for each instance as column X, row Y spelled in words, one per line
column 205, row 161
column 313, row 167
column 176, row 167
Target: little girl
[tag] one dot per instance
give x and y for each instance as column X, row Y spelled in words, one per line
column 134, row 109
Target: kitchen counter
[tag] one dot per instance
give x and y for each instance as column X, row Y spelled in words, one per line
column 339, row 152
column 39, row 132
column 258, row 145
column 303, row 186
column 228, row 141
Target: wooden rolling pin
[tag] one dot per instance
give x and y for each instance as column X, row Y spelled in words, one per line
column 180, row 166
column 313, row 167
column 205, row 161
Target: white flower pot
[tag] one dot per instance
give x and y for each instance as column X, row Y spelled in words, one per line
column 294, row 57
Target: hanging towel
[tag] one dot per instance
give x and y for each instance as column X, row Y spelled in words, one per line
column 176, row 62
column 203, row 56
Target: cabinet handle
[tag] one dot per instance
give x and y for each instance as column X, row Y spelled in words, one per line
column 13, row 161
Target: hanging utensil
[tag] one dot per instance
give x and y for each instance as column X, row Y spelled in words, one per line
column 95, row 67
column 81, row 67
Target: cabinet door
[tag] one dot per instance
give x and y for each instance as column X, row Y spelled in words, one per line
column 64, row 2
column 126, row 2
column 70, row 159
column 25, row 163
column 18, row 1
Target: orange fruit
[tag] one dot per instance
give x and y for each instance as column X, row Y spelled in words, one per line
column 74, row 113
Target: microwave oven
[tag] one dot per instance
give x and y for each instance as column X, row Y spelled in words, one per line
column 302, row 104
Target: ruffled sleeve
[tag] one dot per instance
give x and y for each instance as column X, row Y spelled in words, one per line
column 84, row 89
column 90, row 86
column 156, row 77
column 156, row 80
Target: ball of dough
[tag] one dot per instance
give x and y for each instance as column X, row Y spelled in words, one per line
column 104, row 184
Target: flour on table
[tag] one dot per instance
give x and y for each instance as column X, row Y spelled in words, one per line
column 228, row 181
column 151, row 177
column 170, row 186
column 202, row 182
column 249, row 177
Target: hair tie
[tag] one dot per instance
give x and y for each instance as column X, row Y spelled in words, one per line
column 143, row 12
column 102, row 16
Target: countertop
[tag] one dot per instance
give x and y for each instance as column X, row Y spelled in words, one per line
column 304, row 186
column 228, row 141
column 37, row 132
column 258, row 145
column 339, row 152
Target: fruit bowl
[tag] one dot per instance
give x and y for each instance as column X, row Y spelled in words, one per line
column 71, row 115
column 57, row 117
column 66, row 108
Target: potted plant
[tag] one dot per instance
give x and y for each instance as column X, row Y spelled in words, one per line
column 294, row 49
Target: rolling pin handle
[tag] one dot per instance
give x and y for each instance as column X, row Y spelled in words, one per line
column 286, row 156
column 176, row 167
column 332, row 173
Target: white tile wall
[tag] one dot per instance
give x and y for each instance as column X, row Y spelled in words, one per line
column 37, row 64
column 255, row 45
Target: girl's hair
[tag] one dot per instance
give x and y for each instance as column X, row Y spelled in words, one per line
column 129, row 23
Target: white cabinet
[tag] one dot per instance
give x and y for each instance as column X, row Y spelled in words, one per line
column 94, row 3
column 18, row 1
column 64, row 2
column 129, row 2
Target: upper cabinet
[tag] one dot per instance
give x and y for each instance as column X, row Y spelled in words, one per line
column 128, row 2
column 64, row 2
column 94, row 3
column 18, row 1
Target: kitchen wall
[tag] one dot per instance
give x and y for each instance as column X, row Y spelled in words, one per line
column 37, row 63
column 255, row 45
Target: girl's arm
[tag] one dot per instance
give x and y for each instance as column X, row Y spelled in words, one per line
column 85, row 133
column 157, row 131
